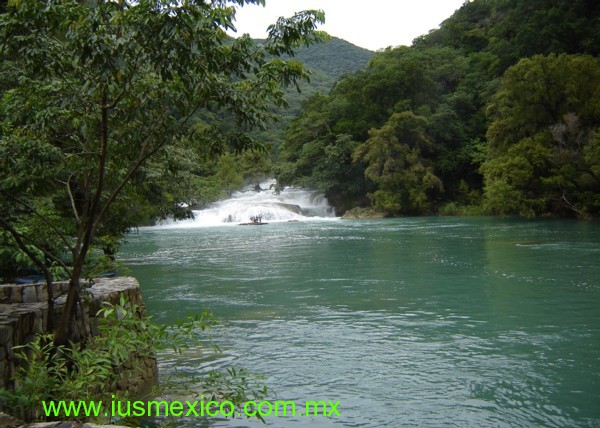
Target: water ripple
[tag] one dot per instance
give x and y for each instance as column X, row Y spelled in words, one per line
column 408, row 322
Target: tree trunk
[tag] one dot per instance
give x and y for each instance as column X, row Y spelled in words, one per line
column 62, row 333
column 63, row 329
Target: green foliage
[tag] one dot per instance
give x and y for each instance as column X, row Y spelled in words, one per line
column 327, row 62
column 315, row 157
column 542, row 138
column 255, row 166
column 87, row 372
column 515, row 29
column 236, row 386
column 395, row 162
column 99, row 369
column 455, row 209
column 94, row 92
column 450, row 77
column 42, row 368
column 334, row 57
column 427, row 82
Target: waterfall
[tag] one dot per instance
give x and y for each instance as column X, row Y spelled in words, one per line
column 290, row 204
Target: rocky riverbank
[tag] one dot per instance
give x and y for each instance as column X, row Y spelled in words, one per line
column 24, row 314
column 363, row 213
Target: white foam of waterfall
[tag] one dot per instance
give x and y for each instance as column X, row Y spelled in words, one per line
column 290, row 204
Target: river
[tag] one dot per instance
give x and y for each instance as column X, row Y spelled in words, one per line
column 433, row 321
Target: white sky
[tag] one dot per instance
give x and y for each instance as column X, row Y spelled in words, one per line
column 371, row 24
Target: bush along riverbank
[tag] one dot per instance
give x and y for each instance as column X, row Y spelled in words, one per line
column 110, row 354
column 24, row 314
column 115, row 362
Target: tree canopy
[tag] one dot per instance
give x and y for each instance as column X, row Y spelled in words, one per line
column 501, row 83
column 94, row 91
column 543, row 139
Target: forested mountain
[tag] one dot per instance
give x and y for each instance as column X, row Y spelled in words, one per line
column 496, row 111
column 334, row 58
column 197, row 177
column 327, row 62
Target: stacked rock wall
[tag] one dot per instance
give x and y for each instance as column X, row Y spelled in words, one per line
column 24, row 313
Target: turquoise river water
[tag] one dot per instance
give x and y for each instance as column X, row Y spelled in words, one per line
column 407, row 322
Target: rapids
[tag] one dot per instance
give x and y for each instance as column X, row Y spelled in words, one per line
column 290, row 204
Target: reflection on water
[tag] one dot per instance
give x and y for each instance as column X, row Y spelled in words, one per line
column 408, row 322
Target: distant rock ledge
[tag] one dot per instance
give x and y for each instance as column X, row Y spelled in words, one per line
column 363, row 213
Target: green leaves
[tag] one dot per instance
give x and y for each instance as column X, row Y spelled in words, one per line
column 432, row 84
column 289, row 33
column 97, row 370
column 545, row 116
column 395, row 162
column 94, row 90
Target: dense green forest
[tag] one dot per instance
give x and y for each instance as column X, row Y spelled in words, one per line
column 112, row 113
column 497, row 111
column 196, row 177
column 327, row 62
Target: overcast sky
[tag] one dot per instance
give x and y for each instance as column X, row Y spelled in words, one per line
column 371, row 24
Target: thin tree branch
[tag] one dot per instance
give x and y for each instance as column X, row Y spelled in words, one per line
column 19, row 237
column 144, row 154
column 570, row 206
column 67, row 184
column 40, row 264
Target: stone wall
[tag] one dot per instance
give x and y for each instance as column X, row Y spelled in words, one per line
column 24, row 313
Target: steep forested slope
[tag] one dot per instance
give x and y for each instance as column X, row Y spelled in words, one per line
column 417, row 130
column 335, row 57
column 327, row 62
column 202, row 178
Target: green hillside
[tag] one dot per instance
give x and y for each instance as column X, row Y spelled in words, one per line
column 495, row 112
column 335, row 57
column 328, row 62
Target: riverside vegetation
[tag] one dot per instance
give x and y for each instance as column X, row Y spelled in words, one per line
column 116, row 113
column 495, row 112
column 102, row 369
column 102, row 105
